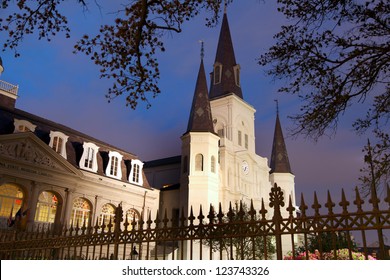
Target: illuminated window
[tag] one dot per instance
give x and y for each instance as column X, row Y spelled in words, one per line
column 46, row 207
column 132, row 216
column 114, row 165
column 58, row 142
column 81, row 213
column 199, row 162
column 107, row 214
column 11, row 200
column 23, row 126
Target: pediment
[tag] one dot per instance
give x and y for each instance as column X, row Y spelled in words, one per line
column 27, row 148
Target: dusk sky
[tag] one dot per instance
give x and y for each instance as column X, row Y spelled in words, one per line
column 64, row 87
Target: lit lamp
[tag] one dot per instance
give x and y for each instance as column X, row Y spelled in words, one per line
column 134, row 254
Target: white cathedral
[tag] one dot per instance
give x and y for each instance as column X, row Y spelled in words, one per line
column 218, row 162
column 67, row 178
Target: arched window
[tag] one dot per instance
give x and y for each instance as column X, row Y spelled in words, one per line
column 217, row 73
column 46, row 207
column 114, row 165
column 58, row 142
column 88, row 160
column 212, row 164
column 81, row 212
column 11, row 200
column 135, row 175
column 108, row 212
column 132, row 216
column 199, row 162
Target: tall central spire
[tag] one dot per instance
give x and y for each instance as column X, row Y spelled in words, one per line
column 225, row 78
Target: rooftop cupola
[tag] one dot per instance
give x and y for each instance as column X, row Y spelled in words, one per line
column 8, row 92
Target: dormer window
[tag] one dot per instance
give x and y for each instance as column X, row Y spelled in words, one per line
column 114, row 169
column 237, row 74
column 135, row 175
column 88, row 160
column 58, row 142
column 217, row 73
column 23, row 126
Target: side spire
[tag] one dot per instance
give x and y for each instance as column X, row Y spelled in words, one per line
column 200, row 116
column 279, row 156
column 225, row 78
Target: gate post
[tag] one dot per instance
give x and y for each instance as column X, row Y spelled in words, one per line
column 276, row 201
column 117, row 229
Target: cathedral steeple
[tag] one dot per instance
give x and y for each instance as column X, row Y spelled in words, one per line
column 200, row 117
column 279, row 156
column 225, row 79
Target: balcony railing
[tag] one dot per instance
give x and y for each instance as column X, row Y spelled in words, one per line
column 9, row 88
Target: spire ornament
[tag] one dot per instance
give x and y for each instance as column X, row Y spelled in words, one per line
column 277, row 106
column 201, row 49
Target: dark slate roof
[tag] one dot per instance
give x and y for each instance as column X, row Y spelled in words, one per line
column 163, row 161
column 200, row 119
column 225, row 56
column 74, row 145
column 171, row 188
column 279, row 156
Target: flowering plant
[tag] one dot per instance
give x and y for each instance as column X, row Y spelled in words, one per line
column 341, row 254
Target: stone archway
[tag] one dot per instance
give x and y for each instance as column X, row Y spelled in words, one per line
column 48, row 210
column 13, row 201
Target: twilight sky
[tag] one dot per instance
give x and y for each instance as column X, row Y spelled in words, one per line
column 64, row 87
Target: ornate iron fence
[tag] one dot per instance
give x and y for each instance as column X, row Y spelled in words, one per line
column 240, row 233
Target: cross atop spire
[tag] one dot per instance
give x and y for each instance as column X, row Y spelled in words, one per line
column 277, row 106
column 201, row 49
column 225, row 7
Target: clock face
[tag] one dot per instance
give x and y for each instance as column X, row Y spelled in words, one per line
column 245, row 167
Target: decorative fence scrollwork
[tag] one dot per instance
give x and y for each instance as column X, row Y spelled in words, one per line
column 240, row 233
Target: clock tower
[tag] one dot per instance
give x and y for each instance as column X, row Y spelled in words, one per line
column 244, row 175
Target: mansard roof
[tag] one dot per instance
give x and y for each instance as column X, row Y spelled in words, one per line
column 74, row 145
column 226, row 58
column 279, row 157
